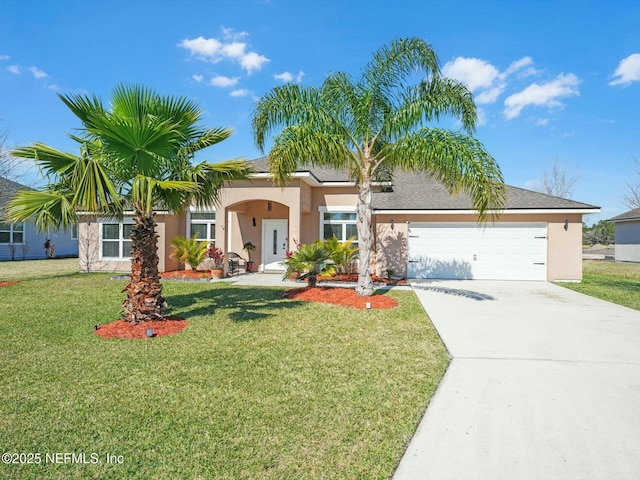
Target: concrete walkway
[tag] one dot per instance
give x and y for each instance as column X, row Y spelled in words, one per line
column 544, row 384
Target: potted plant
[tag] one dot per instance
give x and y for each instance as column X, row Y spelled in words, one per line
column 216, row 257
column 249, row 247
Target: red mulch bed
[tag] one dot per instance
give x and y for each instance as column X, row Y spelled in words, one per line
column 353, row 278
column 122, row 329
column 186, row 274
column 345, row 297
column 7, row 284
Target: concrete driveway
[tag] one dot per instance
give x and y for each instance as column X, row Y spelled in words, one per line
column 544, row 384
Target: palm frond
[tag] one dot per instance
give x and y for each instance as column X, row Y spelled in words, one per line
column 302, row 144
column 460, row 162
column 48, row 159
column 50, row 208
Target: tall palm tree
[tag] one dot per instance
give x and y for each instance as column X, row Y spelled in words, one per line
column 377, row 124
column 135, row 157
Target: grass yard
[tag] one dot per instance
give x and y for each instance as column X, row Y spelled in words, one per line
column 615, row 282
column 255, row 387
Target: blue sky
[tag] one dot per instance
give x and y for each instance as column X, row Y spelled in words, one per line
column 553, row 80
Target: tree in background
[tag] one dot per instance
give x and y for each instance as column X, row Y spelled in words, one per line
column 10, row 166
column 135, row 157
column 377, row 124
column 632, row 197
column 602, row 232
column 557, row 182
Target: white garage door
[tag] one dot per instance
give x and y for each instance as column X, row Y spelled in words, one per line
column 503, row 251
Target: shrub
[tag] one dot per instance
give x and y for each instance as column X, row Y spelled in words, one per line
column 188, row 250
column 342, row 254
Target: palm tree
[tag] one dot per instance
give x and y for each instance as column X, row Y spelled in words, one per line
column 135, row 157
column 376, row 124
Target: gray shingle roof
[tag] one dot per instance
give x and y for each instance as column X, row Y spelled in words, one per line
column 414, row 191
column 8, row 189
column 261, row 165
column 630, row 215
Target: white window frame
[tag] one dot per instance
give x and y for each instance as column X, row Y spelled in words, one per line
column 210, row 223
column 121, row 239
column 74, row 231
column 344, row 223
column 12, row 231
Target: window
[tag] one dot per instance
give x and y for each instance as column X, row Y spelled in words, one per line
column 74, row 231
column 340, row 224
column 115, row 241
column 11, row 232
column 204, row 225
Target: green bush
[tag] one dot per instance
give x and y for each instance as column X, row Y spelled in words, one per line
column 188, row 250
column 342, row 254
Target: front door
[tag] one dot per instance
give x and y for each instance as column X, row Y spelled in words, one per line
column 275, row 243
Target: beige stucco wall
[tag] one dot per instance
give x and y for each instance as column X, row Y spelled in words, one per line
column 564, row 247
column 89, row 245
column 298, row 203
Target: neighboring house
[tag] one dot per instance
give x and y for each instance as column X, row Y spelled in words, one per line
column 627, row 236
column 21, row 241
column 420, row 230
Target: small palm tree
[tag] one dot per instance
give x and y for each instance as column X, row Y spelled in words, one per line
column 135, row 157
column 311, row 258
column 342, row 254
column 189, row 250
column 376, row 124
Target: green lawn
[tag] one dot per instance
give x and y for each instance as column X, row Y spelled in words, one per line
column 615, row 282
column 255, row 387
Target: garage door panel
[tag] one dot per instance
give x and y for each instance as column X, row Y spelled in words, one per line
column 465, row 251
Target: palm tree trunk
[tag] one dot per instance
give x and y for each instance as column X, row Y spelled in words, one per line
column 365, row 238
column 144, row 291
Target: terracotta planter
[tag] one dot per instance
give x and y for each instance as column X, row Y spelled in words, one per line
column 249, row 266
column 217, row 272
column 294, row 276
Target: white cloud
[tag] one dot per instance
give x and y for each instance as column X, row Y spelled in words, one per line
column 252, row 61
column 491, row 95
column 285, row 77
column 542, row 121
column 482, row 117
column 519, row 65
column 473, row 72
column 241, row 92
column 222, row 81
column 234, row 50
column 628, row 70
column 546, row 94
column 485, row 80
column 231, row 34
column 15, row 69
column 205, row 48
column 4, row 57
column 214, row 50
column 198, row 78
column 37, row 73
column 53, row 87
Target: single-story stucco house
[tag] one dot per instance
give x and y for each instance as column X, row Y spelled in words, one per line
column 22, row 241
column 627, row 236
column 420, row 230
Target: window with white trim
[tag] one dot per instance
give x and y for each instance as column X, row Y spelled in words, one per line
column 74, row 231
column 340, row 224
column 204, row 225
column 12, row 232
column 114, row 240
